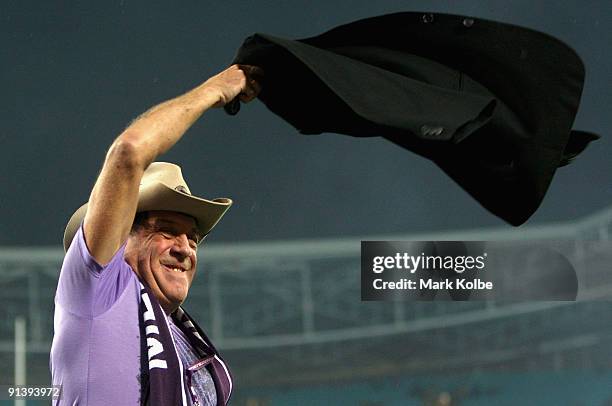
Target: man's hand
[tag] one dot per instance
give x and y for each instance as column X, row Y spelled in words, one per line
column 242, row 81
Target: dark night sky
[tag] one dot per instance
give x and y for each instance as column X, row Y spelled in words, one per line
column 74, row 75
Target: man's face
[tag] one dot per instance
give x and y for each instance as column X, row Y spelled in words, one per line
column 163, row 253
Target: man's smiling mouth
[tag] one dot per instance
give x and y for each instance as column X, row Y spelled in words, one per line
column 174, row 268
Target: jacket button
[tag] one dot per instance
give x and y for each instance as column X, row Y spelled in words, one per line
column 468, row 22
column 427, row 18
column 431, row 131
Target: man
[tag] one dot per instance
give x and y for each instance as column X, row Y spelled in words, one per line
column 121, row 337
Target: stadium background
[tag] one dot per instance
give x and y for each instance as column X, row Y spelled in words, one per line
column 278, row 288
column 289, row 320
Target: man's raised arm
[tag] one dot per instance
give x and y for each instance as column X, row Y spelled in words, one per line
column 113, row 200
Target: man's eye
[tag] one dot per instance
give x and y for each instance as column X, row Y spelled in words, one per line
column 166, row 232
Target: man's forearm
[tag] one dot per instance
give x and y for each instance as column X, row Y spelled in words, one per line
column 159, row 128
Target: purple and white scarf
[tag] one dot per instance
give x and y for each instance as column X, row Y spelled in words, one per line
column 163, row 378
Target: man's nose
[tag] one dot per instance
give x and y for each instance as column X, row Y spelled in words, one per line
column 181, row 245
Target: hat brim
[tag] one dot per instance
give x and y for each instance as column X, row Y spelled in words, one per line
column 158, row 196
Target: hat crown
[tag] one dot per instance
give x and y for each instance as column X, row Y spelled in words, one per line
column 167, row 173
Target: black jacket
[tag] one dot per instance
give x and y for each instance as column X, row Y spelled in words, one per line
column 490, row 103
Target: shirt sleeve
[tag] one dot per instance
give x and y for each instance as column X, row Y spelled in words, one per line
column 86, row 288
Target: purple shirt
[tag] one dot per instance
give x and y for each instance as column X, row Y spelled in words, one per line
column 95, row 354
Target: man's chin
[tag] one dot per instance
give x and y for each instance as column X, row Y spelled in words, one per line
column 171, row 291
column 176, row 295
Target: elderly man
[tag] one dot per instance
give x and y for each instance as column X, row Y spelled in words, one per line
column 121, row 337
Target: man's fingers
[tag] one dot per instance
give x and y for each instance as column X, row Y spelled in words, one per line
column 243, row 79
column 244, row 98
column 251, row 90
column 252, row 72
column 249, row 93
column 255, row 86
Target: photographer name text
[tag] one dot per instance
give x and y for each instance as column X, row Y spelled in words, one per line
column 432, row 284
